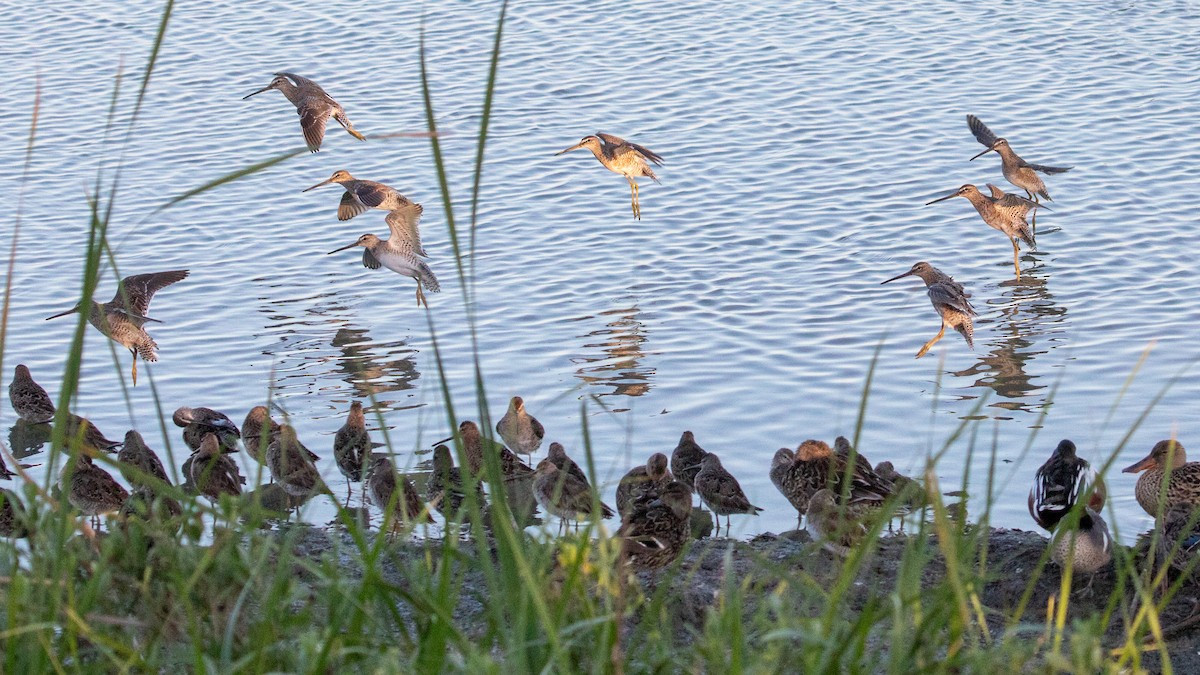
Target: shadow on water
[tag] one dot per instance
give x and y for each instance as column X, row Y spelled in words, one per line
column 375, row 369
column 1028, row 325
column 25, row 439
column 619, row 362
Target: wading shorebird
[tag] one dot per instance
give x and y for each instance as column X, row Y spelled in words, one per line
column 399, row 510
column 122, row 318
column 1004, row 212
column 1016, row 170
column 721, row 492
column 313, row 105
column 28, row 398
column 620, row 156
column 399, row 253
column 644, row 482
column 686, row 459
column 199, row 422
column 361, row 196
column 564, row 495
column 948, row 298
column 1060, row 483
column 352, row 449
column 91, row 489
column 519, row 430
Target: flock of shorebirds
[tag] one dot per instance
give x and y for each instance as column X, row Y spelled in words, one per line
column 837, row 493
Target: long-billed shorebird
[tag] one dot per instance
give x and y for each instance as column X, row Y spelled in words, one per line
column 948, row 298
column 1060, row 483
column 352, row 448
column 12, row 516
column 520, row 431
column 721, row 492
column 28, row 398
column 564, row 495
column 646, row 481
column 1004, row 212
column 210, row 470
column 313, row 105
column 122, row 318
column 258, row 430
column 399, row 253
column 361, row 196
column 686, row 459
column 140, row 465
column 621, row 156
column 406, row 507
column 1016, row 170
column 89, row 488
column 199, row 422
column 447, row 488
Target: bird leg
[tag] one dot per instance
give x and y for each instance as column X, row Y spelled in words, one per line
column 1034, row 224
column 933, row 341
column 633, row 188
column 1016, row 254
column 421, row 296
column 135, row 370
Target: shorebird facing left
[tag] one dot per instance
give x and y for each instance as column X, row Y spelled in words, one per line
column 949, row 299
column 1016, row 170
column 1001, row 211
column 122, row 318
column 401, row 252
column 621, row 156
column 313, row 105
column 361, row 196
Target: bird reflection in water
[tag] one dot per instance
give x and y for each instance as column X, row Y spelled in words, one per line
column 25, row 439
column 1028, row 326
column 375, row 369
column 618, row 364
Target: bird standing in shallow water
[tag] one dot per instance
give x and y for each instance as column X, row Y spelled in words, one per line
column 28, row 398
column 1060, row 483
column 381, row 487
column 352, row 447
column 564, row 495
column 147, row 469
column 313, row 105
column 258, row 430
column 520, row 431
column 620, row 156
column 210, row 471
column 122, row 318
column 1002, row 212
column 655, row 531
column 948, row 298
column 91, row 489
column 199, row 422
column 447, row 489
column 686, row 459
column 1016, row 170
column 721, row 491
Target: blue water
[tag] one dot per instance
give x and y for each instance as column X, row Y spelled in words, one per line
column 801, row 141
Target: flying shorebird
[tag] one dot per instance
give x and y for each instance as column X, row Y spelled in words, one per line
column 361, row 196
column 948, row 298
column 1004, row 212
column 122, row 318
column 313, row 105
column 1016, row 170
column 400, row 252
column 621, row 156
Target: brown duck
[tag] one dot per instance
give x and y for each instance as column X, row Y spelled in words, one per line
column 1183, row 490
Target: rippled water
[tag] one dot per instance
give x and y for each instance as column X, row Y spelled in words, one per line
column 801, row 141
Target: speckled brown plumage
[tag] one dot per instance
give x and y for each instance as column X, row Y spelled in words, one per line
column 91, row 489
column 557, row 455
column 13, row 524
column 28, row 398
column 197, row 422
column 445, row 489
column 210, row 474
column 81, row 434
column 146, row 467
column 686, row 458
column 352, row 445
column 564, row 495
column 381, row 488
column 646, row 481
column 655, row 531
column 519, row 430
column 258, row 430
column 1183, row 489
column 721, row 492
column 289, row 463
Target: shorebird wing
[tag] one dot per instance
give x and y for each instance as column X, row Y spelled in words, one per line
column 620, row 146
column 134, row 292
column 350, row 206
column 312, row 123
column 1016, row 203
column 403, row 224
column 941, row 294
column 982, row 134
column 371, row 193
column 370, row 261
column 1048, row 169
column 997, row 193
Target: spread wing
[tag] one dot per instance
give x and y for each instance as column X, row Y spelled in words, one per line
column 134, row 293
column 1048, row 169
column 1017, row 204
column 312, row 123
column 942, row 294
column 371, row 193
column 997, row 193
column 370, row 261
column 350, row 206
column 982, row 134
column 621, row 146
column 403, row 223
